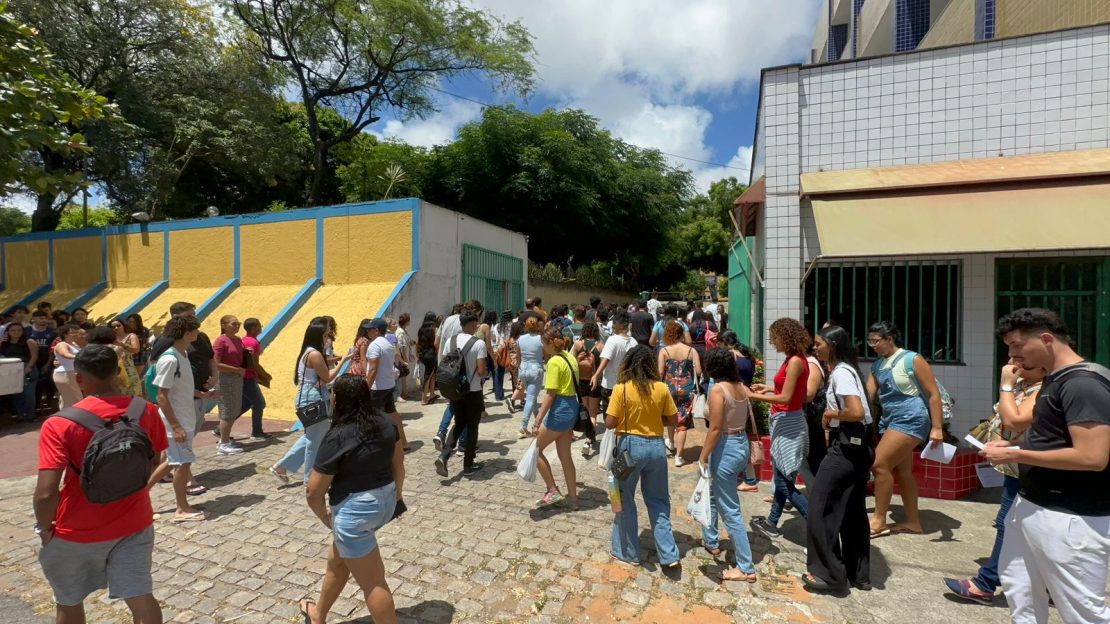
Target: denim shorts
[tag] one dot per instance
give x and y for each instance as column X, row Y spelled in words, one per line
column 563, row 414
column 356, row 518
column 75, row 570
column 909, row 417
column 179, row 453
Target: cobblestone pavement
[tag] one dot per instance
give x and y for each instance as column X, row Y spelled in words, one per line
column 477, row 550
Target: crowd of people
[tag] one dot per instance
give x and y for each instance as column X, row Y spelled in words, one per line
column 632, row 382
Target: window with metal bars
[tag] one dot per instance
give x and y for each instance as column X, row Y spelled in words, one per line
column 923, row 298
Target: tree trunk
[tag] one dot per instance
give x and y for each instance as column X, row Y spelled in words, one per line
column 318, row 169
column 45, row 218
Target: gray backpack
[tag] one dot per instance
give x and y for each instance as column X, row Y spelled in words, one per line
column 117, row 461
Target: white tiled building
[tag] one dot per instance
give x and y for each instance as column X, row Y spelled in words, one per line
column 914, row 153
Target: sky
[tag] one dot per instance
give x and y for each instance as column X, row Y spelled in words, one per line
column 678, row 76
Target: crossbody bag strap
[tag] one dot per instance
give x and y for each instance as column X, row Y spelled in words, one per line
column 135, row 410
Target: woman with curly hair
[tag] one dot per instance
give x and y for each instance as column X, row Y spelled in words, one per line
column 360, row 467
column 639, row 409
column 788, row 422
column 679, row 366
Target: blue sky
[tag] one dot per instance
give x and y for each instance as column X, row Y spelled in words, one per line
column 682, row 77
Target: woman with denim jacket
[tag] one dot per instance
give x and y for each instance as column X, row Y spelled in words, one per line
column 639, row 409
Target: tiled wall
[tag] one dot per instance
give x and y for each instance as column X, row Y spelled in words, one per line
column 1041, row 93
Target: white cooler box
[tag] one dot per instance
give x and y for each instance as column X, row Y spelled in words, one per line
column 11, row 375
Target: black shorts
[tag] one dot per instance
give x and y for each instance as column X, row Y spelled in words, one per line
column 430, row 365
column 383, row 400
column 584, row 390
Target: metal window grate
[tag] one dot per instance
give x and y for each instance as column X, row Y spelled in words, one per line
column 838, row 39
column 985, row 11
column 494, row 278
column 923, row 298
column 911, row 23
column 857, row 6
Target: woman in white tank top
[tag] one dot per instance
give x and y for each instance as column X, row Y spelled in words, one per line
column 64, row 376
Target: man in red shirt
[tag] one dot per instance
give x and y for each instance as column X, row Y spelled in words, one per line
column 86, row 546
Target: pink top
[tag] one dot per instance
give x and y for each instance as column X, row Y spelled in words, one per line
column 255, row 347
column 229, row 350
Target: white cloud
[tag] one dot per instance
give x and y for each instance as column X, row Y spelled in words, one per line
column 738, row 167
column 24, row 202
column 437, row 129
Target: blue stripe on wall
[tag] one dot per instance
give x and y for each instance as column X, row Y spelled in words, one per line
column 282, row 318
column 145, row 299
column 209, row 306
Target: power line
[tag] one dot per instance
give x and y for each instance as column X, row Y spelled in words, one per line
column 690, row 158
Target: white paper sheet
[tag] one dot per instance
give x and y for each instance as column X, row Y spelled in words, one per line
column 970, row 439
column 943, row 453
column 988, row 476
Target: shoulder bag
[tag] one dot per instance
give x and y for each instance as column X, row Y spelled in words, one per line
column 313, row 413
column 622, row 464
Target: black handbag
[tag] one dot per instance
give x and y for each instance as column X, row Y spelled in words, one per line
column 622, row 464
column 402, row 369
column 313, row 413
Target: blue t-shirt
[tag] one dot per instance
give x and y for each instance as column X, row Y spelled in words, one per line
column 531, row 349
column 661, row 325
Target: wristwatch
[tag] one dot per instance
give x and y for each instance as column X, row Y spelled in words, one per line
column 1007, row 388
column 39, row 530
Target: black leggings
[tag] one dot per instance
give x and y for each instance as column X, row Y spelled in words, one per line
column 837, row 531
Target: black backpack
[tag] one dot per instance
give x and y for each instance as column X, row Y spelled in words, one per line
column 451, row 378
column 117, row 461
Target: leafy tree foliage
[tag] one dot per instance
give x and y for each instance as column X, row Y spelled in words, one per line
column 40, row 110
column 702, row 240
column 376, row 169
column 364, row 56
column 13, row 221
column 580, row 194
column 73, row 217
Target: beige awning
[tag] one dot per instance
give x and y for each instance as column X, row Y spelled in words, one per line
column 1041, row 216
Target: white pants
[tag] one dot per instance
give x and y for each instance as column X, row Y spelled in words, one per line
column 1048, row 552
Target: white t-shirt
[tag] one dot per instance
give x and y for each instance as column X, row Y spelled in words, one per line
column 477, row 352
column 653, row 306
column 844, row 382
column 382, row 350
column 615, row 349
column 173, row 373
column 447, row 332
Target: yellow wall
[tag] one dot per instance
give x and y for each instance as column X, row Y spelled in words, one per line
column 955, row 25
column 135, row 259
column 1021, row 17
column 27, row 265
column 278, row 253
column 77, row 263
column 367, row 248
column 202, row 257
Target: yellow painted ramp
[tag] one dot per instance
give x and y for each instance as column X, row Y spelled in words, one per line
column 12, row 296
column 157, row 312
column 110, row 301
column 260, row 302
column 348, row 304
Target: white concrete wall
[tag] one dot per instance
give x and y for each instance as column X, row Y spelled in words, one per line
column 438, row 284
column 1040, row 93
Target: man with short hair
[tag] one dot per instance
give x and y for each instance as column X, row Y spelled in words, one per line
column 1057, row 539
column 202, row 360
column 381, row 374
column 537, row 307
column 450, row 328
column 575, row 328
column 642, row 323
column 43, row 335
column 595, row 305
column 18, row 314
column 468, row 409
column 86, row 547
column 653, row 306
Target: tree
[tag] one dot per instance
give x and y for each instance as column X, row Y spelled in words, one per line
column 705, row 233
column 41, row 110
column 362, row 57
column 73, row 217
column 372, row 168
column 13, row 221
column 582, row 195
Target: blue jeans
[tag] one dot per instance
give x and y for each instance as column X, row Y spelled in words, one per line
column 749, row 480
column 499, row 383
column 786, row 489
column 531, row 376
column 303, row 451
column 254, row 401
column 650, row 469
column 987, row 579
column 24, row 402
column 730, row 454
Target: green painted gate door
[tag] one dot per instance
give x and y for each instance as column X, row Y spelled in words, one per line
column 1078, row 289
column 494, row 278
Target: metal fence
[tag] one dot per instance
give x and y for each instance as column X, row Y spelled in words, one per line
column 494, row 278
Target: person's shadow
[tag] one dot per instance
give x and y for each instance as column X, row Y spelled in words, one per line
column 435, row 611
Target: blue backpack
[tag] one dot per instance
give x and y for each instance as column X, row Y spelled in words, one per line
column 149, row 389
column 946, row 401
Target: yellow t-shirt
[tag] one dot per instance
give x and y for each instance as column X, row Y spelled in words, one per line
column 560, row 376
column 641, row 416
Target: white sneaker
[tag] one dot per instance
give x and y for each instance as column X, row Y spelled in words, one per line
column 228, row 449
column 679, row 462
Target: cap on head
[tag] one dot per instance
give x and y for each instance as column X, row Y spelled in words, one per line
column 378, row 325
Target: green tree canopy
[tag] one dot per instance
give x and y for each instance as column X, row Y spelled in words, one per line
column 13, row 221
column 362, row 57
column 581, row 195
column 376, row 169
column 41, row 109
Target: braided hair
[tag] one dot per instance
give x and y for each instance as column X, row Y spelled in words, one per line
column 639, row 367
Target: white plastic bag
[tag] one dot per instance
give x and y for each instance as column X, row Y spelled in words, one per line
column 527, row 467
column 699, row 507
column 605, row 450
column 418, row 372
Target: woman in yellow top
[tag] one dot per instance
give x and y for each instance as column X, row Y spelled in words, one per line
column 640, row 408
column 558, row 414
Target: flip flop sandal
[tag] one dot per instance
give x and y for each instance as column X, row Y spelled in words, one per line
column 812, row 583
column 883, row 532
column 196, row 490
column 901, row 530
column 193, row 517
column 715, row 552
column 166, row 479
column 304, row 603
column 746, row 578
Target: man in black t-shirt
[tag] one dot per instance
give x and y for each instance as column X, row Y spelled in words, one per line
column 642, row 323
column 1057, row 540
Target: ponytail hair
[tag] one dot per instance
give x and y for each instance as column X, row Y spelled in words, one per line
column 556, row 338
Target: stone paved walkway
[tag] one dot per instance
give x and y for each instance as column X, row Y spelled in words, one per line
column 477, row 550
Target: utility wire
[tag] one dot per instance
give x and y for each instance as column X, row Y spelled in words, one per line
column 697, row 160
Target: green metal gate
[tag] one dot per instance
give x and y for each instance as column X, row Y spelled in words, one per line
column 1078, row 289
column 494, row 278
